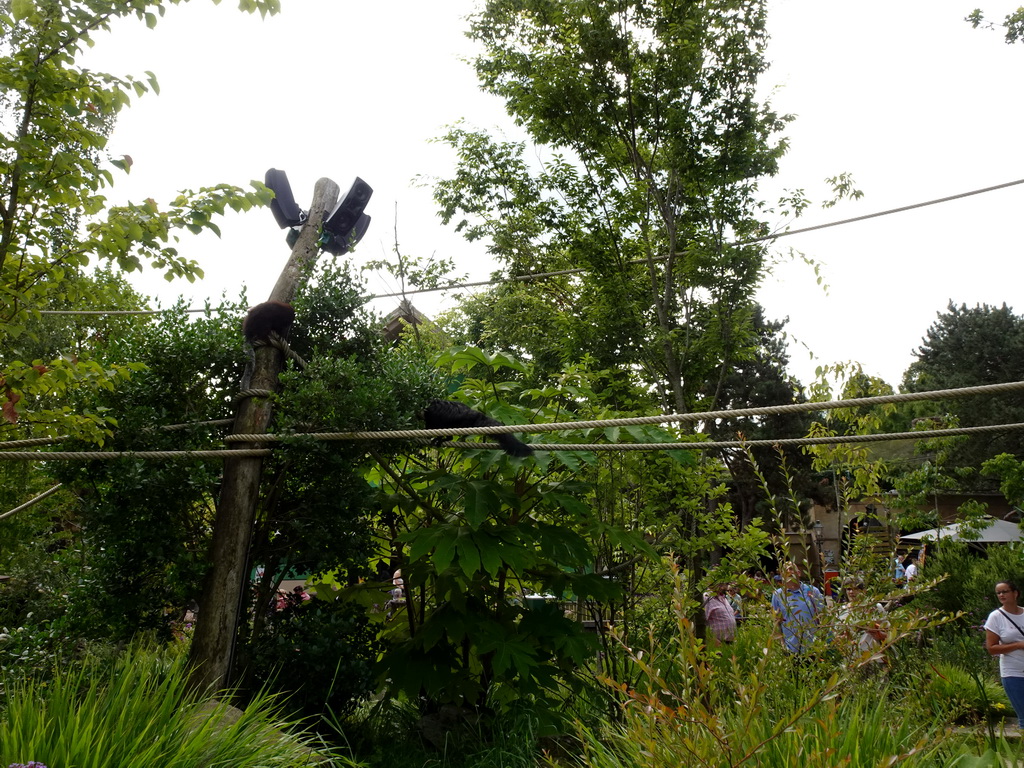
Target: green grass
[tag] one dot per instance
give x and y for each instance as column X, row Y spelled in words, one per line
column 138, row 713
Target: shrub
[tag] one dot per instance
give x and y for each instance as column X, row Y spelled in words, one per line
column 320, row 655
column 969, row 579
column 965, row 696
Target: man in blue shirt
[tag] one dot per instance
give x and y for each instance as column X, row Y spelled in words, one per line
column 797, row 606
column 899, row 574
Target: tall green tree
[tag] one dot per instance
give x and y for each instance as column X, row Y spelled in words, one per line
column 475, row 532
column 143, row 527
column 55, row 219
column 970, row 346
column 654, row 138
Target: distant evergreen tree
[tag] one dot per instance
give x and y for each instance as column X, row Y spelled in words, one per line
column 969, row 347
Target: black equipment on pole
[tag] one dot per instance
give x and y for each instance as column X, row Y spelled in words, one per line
column 343, row 227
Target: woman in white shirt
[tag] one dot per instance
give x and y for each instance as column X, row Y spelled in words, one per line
column 1004, row 637
column 911, row 571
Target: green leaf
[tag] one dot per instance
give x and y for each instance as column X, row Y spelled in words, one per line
column 570, row 459
column 22, row 9
column 422, row 541
column 563, row 545
column 488, row 459
column 570, row 504
column 542, row 458
column 513, row 653
column 444, row 552
column 683, row 458
column 639, row 434
column 480, row 502
column 500, row 360
column 490, row 554
column 469, row 555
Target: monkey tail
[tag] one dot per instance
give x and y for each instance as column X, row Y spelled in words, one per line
column 513, row 446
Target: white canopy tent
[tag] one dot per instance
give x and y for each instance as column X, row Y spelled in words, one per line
column 995, row 531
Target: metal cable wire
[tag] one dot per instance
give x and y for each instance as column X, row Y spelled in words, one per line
column 542, row 275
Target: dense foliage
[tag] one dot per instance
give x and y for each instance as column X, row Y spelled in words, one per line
column 654, row 141
column 144, row 522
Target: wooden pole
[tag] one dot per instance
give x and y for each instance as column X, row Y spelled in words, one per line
column 227, row 579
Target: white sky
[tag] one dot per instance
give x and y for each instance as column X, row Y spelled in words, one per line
column 902, row 94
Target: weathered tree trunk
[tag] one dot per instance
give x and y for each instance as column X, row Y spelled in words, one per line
column 224, row 592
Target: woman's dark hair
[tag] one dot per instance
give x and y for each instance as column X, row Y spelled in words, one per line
column 1010, row 584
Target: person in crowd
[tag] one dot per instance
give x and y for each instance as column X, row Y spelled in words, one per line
column 899, row 573
column 1004, row 637
column 797, row 607
column 719, row 615
column 735, row 600
column 398, row 586
column 912, row 569
column 397, row 596
column 863, row 624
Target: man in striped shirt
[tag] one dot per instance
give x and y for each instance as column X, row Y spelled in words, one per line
column 719, row 614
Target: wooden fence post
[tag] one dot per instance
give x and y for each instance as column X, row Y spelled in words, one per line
column 224, row 591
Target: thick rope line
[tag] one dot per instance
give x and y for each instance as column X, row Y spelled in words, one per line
column 109, row 455
column 696, row 445
column 245, row 393
column 32, row 501
column 208, row 423
column 987, row 389
column 29, row 442
column 278, row 342
column 117, row 311
column 668, row 418
column 709, row 445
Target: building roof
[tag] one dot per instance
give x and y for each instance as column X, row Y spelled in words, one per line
column 995, row 531
column 404, row 314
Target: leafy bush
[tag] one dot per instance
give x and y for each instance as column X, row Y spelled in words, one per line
column 394, row 733
column 142, row 526
column 956, row 692
column 969, row 579
column 320, row 655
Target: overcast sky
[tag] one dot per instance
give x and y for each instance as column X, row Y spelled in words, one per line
column 902, row 94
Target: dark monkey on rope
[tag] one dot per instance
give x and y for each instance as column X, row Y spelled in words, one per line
column 447, row 414
column 261, row 321
column 266, row 318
